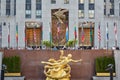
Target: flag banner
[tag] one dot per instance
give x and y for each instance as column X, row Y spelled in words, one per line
column 50, row 32
column 75, row 33
column 34, row 33
column 99, row 33
column 107, row 33
column 91, row 33
column 58, row 27
column 82, row 34
column 17, row 35
column 9, row 35
column 115, row 30
column 67, row 35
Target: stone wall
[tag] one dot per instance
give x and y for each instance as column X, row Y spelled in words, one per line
column 32, row 68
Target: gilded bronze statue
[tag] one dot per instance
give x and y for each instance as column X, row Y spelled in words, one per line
column 59, row 69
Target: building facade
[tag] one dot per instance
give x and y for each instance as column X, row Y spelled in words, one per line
column 26, row 23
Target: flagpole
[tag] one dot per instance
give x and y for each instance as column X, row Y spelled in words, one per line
column 9, row 35
column 17, row 35
column 50, row 34
column 82, row 34
column 107, row 36
column 115, row 30
column 99, row 36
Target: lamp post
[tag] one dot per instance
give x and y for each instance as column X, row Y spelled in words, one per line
column 110, row 69
column 4, row 67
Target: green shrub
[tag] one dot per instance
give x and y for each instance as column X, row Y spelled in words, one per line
column 102, row 62
column 47, row 43
column 12, row 63
column 71, row 43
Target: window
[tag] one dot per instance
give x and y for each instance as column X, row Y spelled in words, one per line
column 104, row 7
column 81, row 1
column 119, row 9
column 81, row 9
column 0, row 35
column 66, row 1
column 53, row 1
column 8, row 7
column 38, row 9
column 14, row 7
column 28, row 9
column 91, row 9
column 111, row 7
column 91, row 13
column 91, row 1
column 0, row 7
column 81, row 13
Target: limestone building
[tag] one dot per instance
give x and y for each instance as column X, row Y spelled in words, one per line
column 26, row 23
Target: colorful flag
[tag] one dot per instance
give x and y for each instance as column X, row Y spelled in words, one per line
column 91, row 33
column 34, row 33
column 99, row 34
column 17, row 35
column 75, row 33
column 50, row 32
column 9, row 35
column 107, row 34
column 58, row 27
column 67, row 35
column 25, row 38
column 82, row 34
column 115, row 30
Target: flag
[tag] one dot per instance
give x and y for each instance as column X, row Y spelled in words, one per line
column 82, row 34
column 50, row 32
column 17, row 35
column 58, row 27
column 115, row 30
column 91, row 33
column 67, row 35
column 9, row 35
column 99, row 34
column 107, row 34
column 25, row 38
column 34, row 33
column 75, row 33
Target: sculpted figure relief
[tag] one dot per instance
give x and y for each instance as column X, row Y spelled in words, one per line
column 60, row 15
column 58, row 69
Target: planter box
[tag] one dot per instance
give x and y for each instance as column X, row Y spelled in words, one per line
column 12, row 74
column 15, row 78
column 105, row 74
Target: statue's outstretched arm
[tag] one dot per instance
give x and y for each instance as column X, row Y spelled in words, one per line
column 76, row 60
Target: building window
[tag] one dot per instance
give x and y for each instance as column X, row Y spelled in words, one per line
column 91, row 1
column 14, row 7
column 81, row 9
column 38, row 9
column 0, row 7
column 8, row 7
column 66, row 1
column 53, row 1
column 104, row 7
column 119, row 9
column 28, row 9
column 0, row 35
column 91, row 9
column 111, row 7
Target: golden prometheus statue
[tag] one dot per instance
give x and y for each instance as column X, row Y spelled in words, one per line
column 58, row 69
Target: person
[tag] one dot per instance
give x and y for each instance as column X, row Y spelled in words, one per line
column 59, row 69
